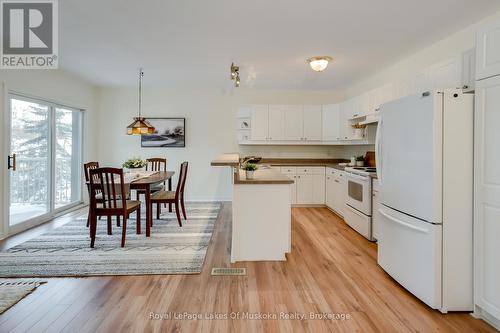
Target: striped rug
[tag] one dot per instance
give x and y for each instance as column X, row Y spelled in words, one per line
column 66, row 250
column 14, row 290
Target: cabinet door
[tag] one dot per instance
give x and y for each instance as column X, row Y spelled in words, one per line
column 319, row 189
column 312, row 122
column 488, row 51
column 276, row 123
column 447, row 74
column 469, row 70
column 294, row 124
column 487, row 195
column 345, row 128
column 330, row 120
column 330, row 191
column 304, row 189
column 260, row 122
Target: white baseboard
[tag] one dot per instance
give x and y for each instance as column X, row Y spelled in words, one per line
column 483, row 315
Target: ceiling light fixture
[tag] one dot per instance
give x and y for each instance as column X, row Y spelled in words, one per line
column 235, row 75
column 319, row 64
column 140, row 125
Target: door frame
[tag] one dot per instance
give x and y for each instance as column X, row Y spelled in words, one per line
column 7, row 229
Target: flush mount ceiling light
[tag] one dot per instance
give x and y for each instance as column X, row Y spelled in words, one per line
column 235, row 74
column 319, row 64
column 140, row 125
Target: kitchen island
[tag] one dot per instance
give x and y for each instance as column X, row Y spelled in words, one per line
column 261, row 225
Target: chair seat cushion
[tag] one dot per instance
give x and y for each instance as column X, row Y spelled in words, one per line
column 163, row 195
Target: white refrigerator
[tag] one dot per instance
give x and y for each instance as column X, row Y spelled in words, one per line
column 424, row 153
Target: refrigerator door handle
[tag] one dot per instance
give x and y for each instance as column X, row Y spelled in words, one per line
column 378, row 156
column 407, row 225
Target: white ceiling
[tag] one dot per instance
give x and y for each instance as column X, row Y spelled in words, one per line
column 191, row 43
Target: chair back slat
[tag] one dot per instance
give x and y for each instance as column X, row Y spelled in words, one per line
column 156, row 164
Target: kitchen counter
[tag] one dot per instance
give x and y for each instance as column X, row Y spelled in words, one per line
column 262, row 176
column 231, row 160
column 302, row 161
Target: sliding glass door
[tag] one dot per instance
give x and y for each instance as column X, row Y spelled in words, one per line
column 44, row 161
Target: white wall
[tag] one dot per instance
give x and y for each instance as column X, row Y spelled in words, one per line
column 53, row 85
column 210, row 129
column 413, row 64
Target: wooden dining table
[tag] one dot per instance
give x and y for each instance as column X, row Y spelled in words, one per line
column 146, row 184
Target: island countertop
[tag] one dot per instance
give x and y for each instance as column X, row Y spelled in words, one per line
column 262, row 176
column 232, row 160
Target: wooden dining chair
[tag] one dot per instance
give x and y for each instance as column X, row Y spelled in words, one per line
column 155, row 164
column 86, row 168
column 173, row 197
column 110, row 184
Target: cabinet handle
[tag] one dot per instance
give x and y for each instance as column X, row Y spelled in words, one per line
column 336, row 180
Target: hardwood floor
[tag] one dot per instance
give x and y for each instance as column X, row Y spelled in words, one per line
column 331, row 269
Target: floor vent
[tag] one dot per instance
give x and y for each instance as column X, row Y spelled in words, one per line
column 229, row 271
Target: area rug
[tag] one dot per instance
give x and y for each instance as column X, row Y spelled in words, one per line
column 12, row 291
column 66, row 250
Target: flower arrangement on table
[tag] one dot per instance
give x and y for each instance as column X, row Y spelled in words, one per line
column 134, row 163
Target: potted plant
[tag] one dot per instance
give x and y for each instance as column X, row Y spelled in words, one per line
column 249, row 169
column 135, row 164
column 360, row 160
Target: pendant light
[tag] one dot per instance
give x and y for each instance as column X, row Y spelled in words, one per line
column 140, row 125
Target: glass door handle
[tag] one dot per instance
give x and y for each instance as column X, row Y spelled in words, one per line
column 11, row 162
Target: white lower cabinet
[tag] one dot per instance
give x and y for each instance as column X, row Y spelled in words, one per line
column 335, row 190
column 309, row 185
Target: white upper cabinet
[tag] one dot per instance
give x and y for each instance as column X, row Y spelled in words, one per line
column 331, row 113
column 345, row 129
column 312, row 122
column 260, row 122
column 488, row 51
column 276, row 123
column 469, row 70
column 446, row 74
column 294, row 126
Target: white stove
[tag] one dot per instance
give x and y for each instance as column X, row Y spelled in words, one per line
column 362, row 171
column 358, row 213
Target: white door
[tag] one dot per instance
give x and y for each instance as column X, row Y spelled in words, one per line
column 488, row 51
column 469, row 70
column 409, row 250
column 312, row 122
column 339, row 195
column 319, row 189
column 330, row 120
column 260, row 122
column 329, row 190
column 409, row 150
column 276, row 123
column 487, row 196
column 305, row 188
column 294, row 123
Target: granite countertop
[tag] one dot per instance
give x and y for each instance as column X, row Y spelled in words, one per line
column 263, row 177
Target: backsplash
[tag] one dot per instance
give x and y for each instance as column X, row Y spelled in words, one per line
column 306, row 151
